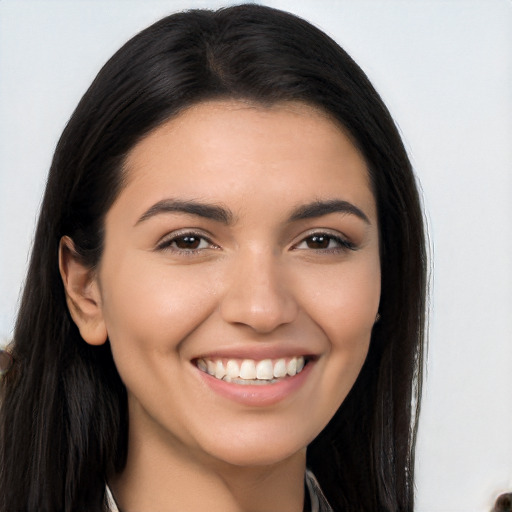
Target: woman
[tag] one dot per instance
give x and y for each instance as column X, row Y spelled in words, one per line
column 228, row 268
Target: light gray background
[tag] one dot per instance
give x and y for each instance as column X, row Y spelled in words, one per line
column 444, row 68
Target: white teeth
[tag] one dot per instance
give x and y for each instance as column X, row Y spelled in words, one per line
column 232, row 369
column 264, row 370
column 250, row 371
column 220, row 371
column 280, row 369
column 210, row 367
column 291, row 367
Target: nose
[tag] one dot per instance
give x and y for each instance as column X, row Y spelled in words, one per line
column 258, row 294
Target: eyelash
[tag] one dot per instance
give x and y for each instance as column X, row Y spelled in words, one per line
column 343, row 244
column 167, row 243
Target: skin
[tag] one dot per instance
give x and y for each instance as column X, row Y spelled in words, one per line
column 258, row 284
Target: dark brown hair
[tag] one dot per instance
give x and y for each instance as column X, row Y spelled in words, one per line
column 63, row 423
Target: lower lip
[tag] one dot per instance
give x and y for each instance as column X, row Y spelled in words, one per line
column 257, row 395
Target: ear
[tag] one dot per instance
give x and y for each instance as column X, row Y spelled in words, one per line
column 82, row 294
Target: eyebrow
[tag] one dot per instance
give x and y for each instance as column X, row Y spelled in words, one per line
column 225, row 216
column 319, row 208
column 207, row 211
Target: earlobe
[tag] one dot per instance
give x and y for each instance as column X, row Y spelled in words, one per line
column 82, row 294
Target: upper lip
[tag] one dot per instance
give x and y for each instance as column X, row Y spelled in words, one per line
column 257, row 353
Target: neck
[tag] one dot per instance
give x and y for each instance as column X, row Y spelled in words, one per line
column 163, row 474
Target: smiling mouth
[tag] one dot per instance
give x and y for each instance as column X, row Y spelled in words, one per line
column 250, row 371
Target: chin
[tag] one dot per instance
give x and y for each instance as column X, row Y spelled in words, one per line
column 258, row 457
column 259, row 450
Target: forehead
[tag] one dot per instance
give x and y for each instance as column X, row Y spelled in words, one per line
column 288, row 148
column 284, row 122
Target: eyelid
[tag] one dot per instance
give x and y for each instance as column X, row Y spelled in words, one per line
column 165, row 242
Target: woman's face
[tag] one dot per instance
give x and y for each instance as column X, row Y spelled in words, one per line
column 245, row 242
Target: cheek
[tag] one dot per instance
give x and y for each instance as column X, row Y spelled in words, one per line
column 154, row 306
column 344, row 301
column 345, row 309
column 349, row 329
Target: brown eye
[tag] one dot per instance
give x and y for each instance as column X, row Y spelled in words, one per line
column 187, row 242
column 318, row 242
column 325, row 242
